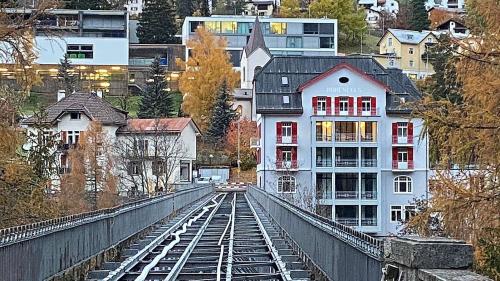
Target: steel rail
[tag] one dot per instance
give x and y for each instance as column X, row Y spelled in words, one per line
column 174, row 272
column 285, row 274
column 229, row 267
column 130, row 262
column 231, row 218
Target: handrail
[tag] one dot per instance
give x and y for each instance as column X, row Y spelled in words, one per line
column 23, row 232
column 357, row 239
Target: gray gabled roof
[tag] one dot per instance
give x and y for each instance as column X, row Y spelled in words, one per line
column 301, row 69
column 256, row 40
column 89, row 104
column 409, row 36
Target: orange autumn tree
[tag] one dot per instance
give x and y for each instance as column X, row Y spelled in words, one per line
column 248, row 130
column 208, row 66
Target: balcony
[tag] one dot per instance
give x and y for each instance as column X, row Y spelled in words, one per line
column 369, row 215
column 287, row 140
column 368, row 163
column 346, row 157
column 397, row 165
column 345, row 137
column 347, row 221
column 347, row 195
column 369, row 221
column 347, row 214
column 342, row 163
column 369, row 195
column 402, row 140
column 287, row 165
column 368, row 137
column 254, row 142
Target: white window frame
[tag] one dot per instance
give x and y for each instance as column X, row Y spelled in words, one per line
column 410, row 51
column 344, row 105
column 402, row 156
column 366, row 105
column 396, row 209
column 407, row 209
column 403, row 180
column 321, row 106
column 402, row 130
column 286, row 132
column 74, row 135
column 78, row 116
column 290, row 181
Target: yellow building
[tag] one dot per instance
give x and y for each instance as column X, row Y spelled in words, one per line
column 406, row 49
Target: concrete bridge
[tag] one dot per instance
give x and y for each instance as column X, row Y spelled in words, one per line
column 232, row 234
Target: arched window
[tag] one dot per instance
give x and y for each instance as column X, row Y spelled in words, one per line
column 286, row 184
column 402, row 184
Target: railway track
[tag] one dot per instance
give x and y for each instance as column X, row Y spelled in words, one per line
column 225, row 237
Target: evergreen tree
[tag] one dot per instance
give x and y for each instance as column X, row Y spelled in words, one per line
column 419, row 19
column 185, row 8
column 156, row 101
column 157, row 23
column 88, row 5
column 203, row 9
column 67, row 79
column 222, row 116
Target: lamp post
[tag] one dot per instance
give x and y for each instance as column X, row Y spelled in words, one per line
column 238, row 115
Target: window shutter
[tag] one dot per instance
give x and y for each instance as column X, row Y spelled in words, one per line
column 337, row 105
column 410, row 157
column 64, row 136
column 278, row 132
column 394, row 157
column 394, row 132
column 360, row 105
column 374, row 106
column 315, row 105
column 328, row 106
column 351, row 105
column 410, row 132
column 294, row 157
column 279, row 158
column 294, row 132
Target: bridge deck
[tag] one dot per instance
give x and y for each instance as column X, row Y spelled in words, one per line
column 225, row 237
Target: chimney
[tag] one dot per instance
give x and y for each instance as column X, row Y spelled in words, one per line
column 61, row 94
column 99, row 93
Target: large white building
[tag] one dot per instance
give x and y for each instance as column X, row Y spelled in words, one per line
column 96, row 43
column 283, row 36
column 448, row 4
column 145, row 150
column 336, row 137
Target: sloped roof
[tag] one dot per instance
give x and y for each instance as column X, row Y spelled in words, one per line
column 256, row 40
column 89, row 104
column 170, row 125
column 409, row 36
column 301, row 69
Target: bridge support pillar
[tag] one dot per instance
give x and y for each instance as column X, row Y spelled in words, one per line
column 429, row 259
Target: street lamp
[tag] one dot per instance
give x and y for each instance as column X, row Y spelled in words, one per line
column 211, row 156
column 238, row 115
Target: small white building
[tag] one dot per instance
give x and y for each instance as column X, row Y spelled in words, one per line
column 158, row 150
column 260, row 7
column 447, row 4
column 134, row 7
column 373, row 8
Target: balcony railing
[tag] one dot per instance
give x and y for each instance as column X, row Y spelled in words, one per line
column 368, row 137
column 284, row 165
column 346, row 195
column 346, row 162
column 254, row 142
column 368, row 162
column 286, row 139
column 345, row 137
column 348, row 221
column 402, row 140
column 369, row 222
column 321, row 137
column 397, row 165
column 323, row 193
column 324, row 163
column 369, row 195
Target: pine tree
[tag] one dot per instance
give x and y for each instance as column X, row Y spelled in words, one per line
column 222, row 116
column 157, row 23
column 419, row 19
column 66, row 78
column 203, row 9
column 185, row 8
column 156, row 101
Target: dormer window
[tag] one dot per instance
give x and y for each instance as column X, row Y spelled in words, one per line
column 409, row 36
column 284, row 81
column 75, row 115
column 286, row 99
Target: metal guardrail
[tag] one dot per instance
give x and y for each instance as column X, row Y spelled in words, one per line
column 361, row 241
column 23, row 232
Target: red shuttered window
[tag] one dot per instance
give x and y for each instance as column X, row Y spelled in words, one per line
column 278, row 132
column 410, row 158
column 360, row 105
column 294, row 157
column 394, row 132
column 279, row 158
column 410, row 132
column 337, row 105
column 374, row 106
column 394, row 157
column 315, row 105
column 294, row 132
column 351, row 106
column 328, row 106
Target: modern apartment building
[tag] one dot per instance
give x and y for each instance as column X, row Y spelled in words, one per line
column 407, row 50
column 283, row 36
column 336, row 137
column 96, row 43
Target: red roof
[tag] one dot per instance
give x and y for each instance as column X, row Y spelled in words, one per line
column 162, row 124
column 337, row 68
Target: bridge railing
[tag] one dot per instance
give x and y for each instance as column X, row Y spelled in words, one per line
column 340, row 251
column 40, row 250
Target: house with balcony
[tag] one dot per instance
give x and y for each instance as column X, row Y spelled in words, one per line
column 339, row 129
column 96, row 43
column 407, row 50
column 282, row 36
column 162, row 149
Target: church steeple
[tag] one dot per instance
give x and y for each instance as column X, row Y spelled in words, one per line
column 256, row 40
